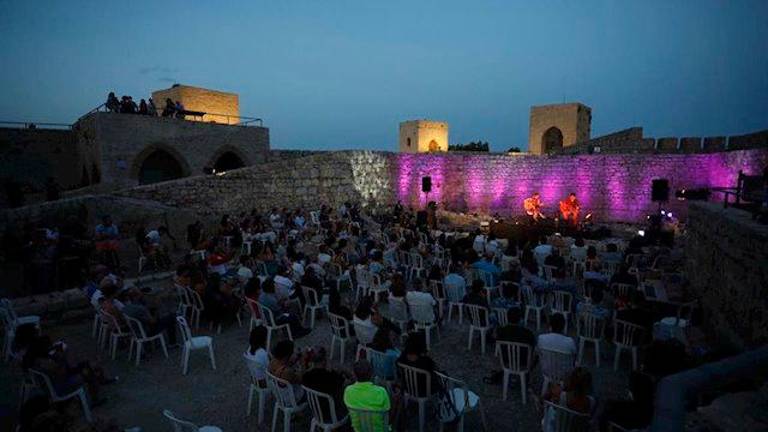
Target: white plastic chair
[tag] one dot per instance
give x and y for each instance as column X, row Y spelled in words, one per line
column 436, row 288
column 197, row 307
column 476, row 324
column 285, row 401
column 180, row 425
column 589, row 328
column 379, row 362
column 184, row 298
column 319, row 420
column 312, row 305
column 44, row 382
column 368, row 420
column 364, row 334
column 340, row 333
column 417, row 266
column 253, row 308
column 268, row 320
column 555, row 366
column 255, row 371
column 397, row 312
column 411, row 377
column 192, row 343
column 10, row 322
column 534, row 302
column 622, row 290
column 626, row 336
column 464, row 401
column 139, row 338
column 362, row 276
column 490, row 281
column 512, row 356
column 561, row 302
column 455, row 294
column 563, row 419
column 424, row 319
column 110, row 326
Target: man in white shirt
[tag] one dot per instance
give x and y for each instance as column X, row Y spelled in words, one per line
column 542, row 251
column 456, row 280
column 556, row 340
column 244, row 273
column 421, row 297
column 283, row 285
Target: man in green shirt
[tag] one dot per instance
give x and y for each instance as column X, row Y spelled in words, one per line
column 367, row 396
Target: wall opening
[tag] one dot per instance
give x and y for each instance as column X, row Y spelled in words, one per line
column 228, row 161
column 159, row 166
column 552, row 140
column 434, row 146
column 408, row 141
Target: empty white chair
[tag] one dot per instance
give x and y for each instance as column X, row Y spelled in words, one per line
column 326, row 421
column 436, row 288
column 411, row 377
column 192, row 343
column 534, row 302
column 139, row 338
column 268, row 320
column 180, row 425
column 340, row 333
column 455, row 294
column 10, row 322
column 258, row 374
column 479, row 321
column 312, row 304
column 555, row 366
column 561, row 302
column 516, row 359
column 285, row 401
column 589, row 328
column 626, row 336
column 423, row 316
column 463, row 400
column 44, row 382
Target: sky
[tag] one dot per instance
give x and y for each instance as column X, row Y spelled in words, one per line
column 343, row 74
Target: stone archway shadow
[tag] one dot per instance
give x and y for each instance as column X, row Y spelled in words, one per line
column 159, row 162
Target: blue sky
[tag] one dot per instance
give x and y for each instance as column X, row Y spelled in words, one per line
column 343, row 74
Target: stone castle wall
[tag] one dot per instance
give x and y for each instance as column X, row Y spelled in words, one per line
column 632, row 141
column 613, row 187
column 220, row 107
column 126, row 140
column 727, row 263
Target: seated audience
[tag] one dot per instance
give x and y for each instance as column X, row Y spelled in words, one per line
column 555, row 340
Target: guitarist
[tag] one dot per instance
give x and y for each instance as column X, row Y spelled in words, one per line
column 532, row 206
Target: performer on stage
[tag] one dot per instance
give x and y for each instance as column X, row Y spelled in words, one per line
column 569, row 208
column 532, row 206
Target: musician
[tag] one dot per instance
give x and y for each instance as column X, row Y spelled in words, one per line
column 570, row 208
column 532, row 206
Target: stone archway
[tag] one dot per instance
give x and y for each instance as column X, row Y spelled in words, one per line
column 552, row 140
column 228, row 161
column 158, row 163
column 434, row 146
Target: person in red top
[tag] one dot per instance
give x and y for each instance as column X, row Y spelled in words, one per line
column 570, row 208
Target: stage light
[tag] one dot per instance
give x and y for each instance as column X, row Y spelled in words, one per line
column 663, row 213
column 641, row 233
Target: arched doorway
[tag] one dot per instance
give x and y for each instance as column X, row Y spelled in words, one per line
column 552, row 140
column 159, row 166
column 434, row 146
column 228, row 161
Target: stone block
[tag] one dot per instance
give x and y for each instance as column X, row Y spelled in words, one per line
column 714, row 144
column 666, row 145
column 690, row 145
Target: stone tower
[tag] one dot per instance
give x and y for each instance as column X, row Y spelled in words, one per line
column 219, row 106
column 559, row 125
column 418, row 136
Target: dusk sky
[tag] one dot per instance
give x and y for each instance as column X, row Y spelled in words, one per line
column 340, row 75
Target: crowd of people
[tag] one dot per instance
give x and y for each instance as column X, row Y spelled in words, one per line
column 385, row 276
column 126, row 105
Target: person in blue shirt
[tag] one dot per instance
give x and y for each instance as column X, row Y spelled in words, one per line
column 486, row 264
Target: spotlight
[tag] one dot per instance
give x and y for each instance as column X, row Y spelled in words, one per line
column 641, row 233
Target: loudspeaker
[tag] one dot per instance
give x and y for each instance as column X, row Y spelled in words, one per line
column 660, row 190
column 421, row 217
column 426, row 184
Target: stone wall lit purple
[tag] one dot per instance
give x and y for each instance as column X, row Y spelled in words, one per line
column 613, row 187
